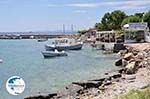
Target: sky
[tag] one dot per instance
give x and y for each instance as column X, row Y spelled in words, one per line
column 49, row 15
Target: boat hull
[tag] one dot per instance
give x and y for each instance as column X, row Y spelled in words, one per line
column 42, row 40
column 60, row 48
column 48, row 54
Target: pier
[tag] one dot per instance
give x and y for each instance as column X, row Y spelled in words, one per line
column 32, row 35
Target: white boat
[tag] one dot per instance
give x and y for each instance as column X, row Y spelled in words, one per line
column 64, row 45
column 1, row 61
column 56, row 53
column 42, row 40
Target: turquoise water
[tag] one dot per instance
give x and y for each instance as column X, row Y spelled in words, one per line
column 23, row 58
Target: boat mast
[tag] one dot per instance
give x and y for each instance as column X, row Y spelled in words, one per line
column 63, row 28
column 72, row 28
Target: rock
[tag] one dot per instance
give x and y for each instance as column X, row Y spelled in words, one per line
column 140, row 55
column 118, row 62
column 106, row 73
column 129, row 48
column 130, row 77
column 128, row 56
column 138, row 60
column 135, row 52
column 88, row 84
column 143, row 86
column 122, row 70
column 124, row 62
column 115, row 80
column 49, row 96
column 108, row 82
column 122, row 52
column 114, row 75
column 101, row 88
column 131, row 60
column 148, row 60
column 141, row 64
column 130, row 68
column 80, row 92
column 140, row 85
column 130, row 81
column 101, row 79
column 70, row 90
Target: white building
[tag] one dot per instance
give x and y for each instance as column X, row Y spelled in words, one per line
column 136, row 32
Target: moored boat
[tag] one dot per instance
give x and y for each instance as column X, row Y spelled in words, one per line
column 1, row 61
column 42, row 40
column 64, row 46
column 49, row 54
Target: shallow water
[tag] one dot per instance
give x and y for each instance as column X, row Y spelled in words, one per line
column 23, row 58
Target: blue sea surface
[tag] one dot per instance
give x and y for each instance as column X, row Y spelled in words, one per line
column 23, row 58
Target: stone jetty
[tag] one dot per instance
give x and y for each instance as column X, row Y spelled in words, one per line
column 133, row 73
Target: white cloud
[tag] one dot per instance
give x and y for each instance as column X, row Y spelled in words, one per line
column 80, row 11
column 84, row 5
column 114, row 4
column 130, row 7
column 133, row 5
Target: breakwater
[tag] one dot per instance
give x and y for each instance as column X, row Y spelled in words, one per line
column 33, row 36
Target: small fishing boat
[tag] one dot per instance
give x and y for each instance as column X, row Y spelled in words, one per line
column 66, row 45
column 56, row 53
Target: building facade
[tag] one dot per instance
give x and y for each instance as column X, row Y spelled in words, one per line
column 136, row 32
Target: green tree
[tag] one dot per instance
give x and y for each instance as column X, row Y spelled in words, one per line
column 146, row 18
column 106, row 19
column 130, row 19
column 99, row 26
column 139, row 14
column 111, row 21
column 116, row 19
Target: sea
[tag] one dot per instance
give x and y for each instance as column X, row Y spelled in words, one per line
column 43, row 76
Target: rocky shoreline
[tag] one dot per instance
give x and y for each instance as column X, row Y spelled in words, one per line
column 134, row 73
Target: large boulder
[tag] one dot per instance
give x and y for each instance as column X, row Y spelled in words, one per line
column 130, row 77
column 121, row 62
column 118, row 62
column 49, row 96
column 140, row 55
column 124, row 62
column 130, row 68
column 135, row 52
column 128, row 56
column 122, row 52
column 88, row 84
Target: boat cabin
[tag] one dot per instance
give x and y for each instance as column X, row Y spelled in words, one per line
column 63, row 41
